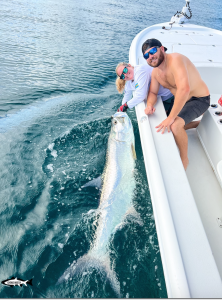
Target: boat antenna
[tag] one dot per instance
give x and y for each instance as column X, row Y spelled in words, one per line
column 181, row 17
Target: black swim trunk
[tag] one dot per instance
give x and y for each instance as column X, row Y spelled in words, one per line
column 168, row 104
column 192, row 109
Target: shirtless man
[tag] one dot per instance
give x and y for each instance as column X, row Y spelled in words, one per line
column 191, row 95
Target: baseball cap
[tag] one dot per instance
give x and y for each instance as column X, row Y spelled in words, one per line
column 151, row 43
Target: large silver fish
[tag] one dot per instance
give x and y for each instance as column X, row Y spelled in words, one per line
column 118, row 182
column 118, row 185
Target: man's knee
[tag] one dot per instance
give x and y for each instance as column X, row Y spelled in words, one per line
column 177, row 125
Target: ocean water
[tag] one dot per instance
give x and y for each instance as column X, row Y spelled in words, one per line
column 57, row 77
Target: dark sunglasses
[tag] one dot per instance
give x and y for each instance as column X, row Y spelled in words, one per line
column 125, row 70
column 152, row 51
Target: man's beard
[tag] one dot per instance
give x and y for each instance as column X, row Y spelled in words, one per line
column 159, row 61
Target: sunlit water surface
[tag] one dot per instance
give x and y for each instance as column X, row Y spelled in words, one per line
column 58, row 93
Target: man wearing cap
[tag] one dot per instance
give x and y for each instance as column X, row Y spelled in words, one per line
column 191, row 95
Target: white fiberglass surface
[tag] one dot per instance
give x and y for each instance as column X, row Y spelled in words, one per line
column 207, row 193
column 200, row 261
column 212, row 76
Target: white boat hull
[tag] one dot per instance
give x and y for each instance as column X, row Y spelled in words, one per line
column 191, row 258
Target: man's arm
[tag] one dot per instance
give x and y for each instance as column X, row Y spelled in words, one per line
column 179, row 70
column 181, row 77
column 152, row 95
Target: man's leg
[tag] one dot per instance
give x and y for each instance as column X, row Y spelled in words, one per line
column 190, row 125
column 181, row 139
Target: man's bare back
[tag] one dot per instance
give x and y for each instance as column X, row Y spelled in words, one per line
column 166, row 77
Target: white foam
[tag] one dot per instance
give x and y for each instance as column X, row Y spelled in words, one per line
column 50, row 147
column 54, row 153
column 67, row 276
column 50, row 167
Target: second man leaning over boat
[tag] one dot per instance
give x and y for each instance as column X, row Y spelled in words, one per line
column 136, row 79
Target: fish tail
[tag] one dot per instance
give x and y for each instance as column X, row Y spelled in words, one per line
column 88, row 262
column 29, row 281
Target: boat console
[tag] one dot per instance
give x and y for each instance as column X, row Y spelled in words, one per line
column 210, row 134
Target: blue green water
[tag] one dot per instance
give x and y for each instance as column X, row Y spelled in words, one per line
column 57, row 78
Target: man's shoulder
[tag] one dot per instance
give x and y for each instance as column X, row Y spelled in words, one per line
column 178, row 62
column 154, row 72
column 174, row 58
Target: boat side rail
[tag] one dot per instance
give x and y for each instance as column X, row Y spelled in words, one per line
column 174, row 273
column 175, row 277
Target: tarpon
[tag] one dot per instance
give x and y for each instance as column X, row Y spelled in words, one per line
column 118, row 185
column 16, row 281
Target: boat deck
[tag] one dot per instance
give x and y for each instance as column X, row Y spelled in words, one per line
column 207, row 191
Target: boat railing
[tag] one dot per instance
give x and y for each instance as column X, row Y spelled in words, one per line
column 174, row 272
